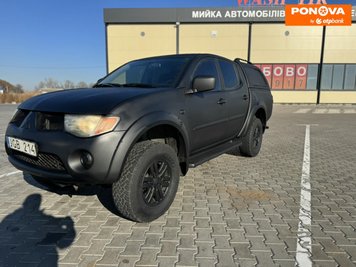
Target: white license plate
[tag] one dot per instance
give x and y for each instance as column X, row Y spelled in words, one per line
column 26, row 147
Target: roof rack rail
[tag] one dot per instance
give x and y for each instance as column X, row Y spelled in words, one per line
column 241, row 59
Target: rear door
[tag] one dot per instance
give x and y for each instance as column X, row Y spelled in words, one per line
column 236, row 94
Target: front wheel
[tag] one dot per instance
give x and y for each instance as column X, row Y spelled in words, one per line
column 252, row 141
column 148, row 183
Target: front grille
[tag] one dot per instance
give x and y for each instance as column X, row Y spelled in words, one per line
column 42, row 121
column 19, row 117
column 49, row 121
column 44, row 161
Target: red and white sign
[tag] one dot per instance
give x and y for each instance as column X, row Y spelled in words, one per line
column 285, row 76
column 289, row 77
column 277, row 76
column 267, row 71
column 301, row 76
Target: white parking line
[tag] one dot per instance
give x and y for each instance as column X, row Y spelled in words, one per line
column 8, row 174
column 320, row 111
column 303, row 110
column 303, row 256
column 349, row 111
column 334, row 111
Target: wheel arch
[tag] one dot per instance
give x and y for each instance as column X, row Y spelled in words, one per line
column 258, row 111
column 170, row 135
column 261, row 114
column 155, row 126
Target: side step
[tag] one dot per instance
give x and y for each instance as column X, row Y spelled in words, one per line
column 208, row 154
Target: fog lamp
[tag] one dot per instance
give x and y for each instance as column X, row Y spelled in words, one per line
column 86, row 159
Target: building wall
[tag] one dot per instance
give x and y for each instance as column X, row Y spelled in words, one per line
column 309, row 97
column 340, row 46
column 129, row 42
column 289, row 56
column 227, row 40
column 276, row 43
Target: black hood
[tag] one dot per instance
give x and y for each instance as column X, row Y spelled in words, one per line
column 84, row 101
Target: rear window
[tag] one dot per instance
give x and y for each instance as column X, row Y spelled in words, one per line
column 255, row 76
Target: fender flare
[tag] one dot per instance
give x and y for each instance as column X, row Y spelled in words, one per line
column 250, row 115
column 135, row 131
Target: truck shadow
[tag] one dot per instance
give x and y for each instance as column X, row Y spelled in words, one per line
column 103, row 193
column 29, row 236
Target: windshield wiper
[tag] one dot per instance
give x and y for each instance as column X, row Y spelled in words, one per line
column 141, row 85
column 107, row 85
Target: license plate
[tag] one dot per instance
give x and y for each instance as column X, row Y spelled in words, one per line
column 26, row 147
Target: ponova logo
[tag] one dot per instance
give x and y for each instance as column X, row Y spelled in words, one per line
column 276, row 2
column 318, row 15
column 322, row 11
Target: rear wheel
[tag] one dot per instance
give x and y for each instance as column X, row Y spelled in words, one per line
column 252, row 141
column 148, row 183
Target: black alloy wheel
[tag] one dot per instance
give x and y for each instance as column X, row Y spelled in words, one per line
column 148, row 183
column 252, row 141
column 156, row 182
column 257, row 137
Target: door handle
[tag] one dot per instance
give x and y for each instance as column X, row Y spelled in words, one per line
column 221, row 101
column 245, row 97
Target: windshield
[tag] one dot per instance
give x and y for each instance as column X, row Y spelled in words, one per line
column 153, row 72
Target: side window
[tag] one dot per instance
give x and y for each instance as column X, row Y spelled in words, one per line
column 207, row 67
column 231, row 80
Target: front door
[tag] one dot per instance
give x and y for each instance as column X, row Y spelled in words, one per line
column 207, row 111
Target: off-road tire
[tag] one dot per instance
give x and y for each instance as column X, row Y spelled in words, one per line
column 128, row 190
column 252, row 141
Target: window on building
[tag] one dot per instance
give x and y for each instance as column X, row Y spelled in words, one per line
column 326, row 77
column 305, row 76
column 312, row 76
column 338, row 77
column 350, row 77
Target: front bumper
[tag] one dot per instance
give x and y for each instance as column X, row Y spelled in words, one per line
column 60, row 154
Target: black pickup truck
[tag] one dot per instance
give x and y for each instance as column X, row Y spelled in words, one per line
column 141, row 127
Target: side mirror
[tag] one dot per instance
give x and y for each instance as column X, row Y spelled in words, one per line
column 203, row 83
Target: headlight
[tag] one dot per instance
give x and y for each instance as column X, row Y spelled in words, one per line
column 89, row 125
